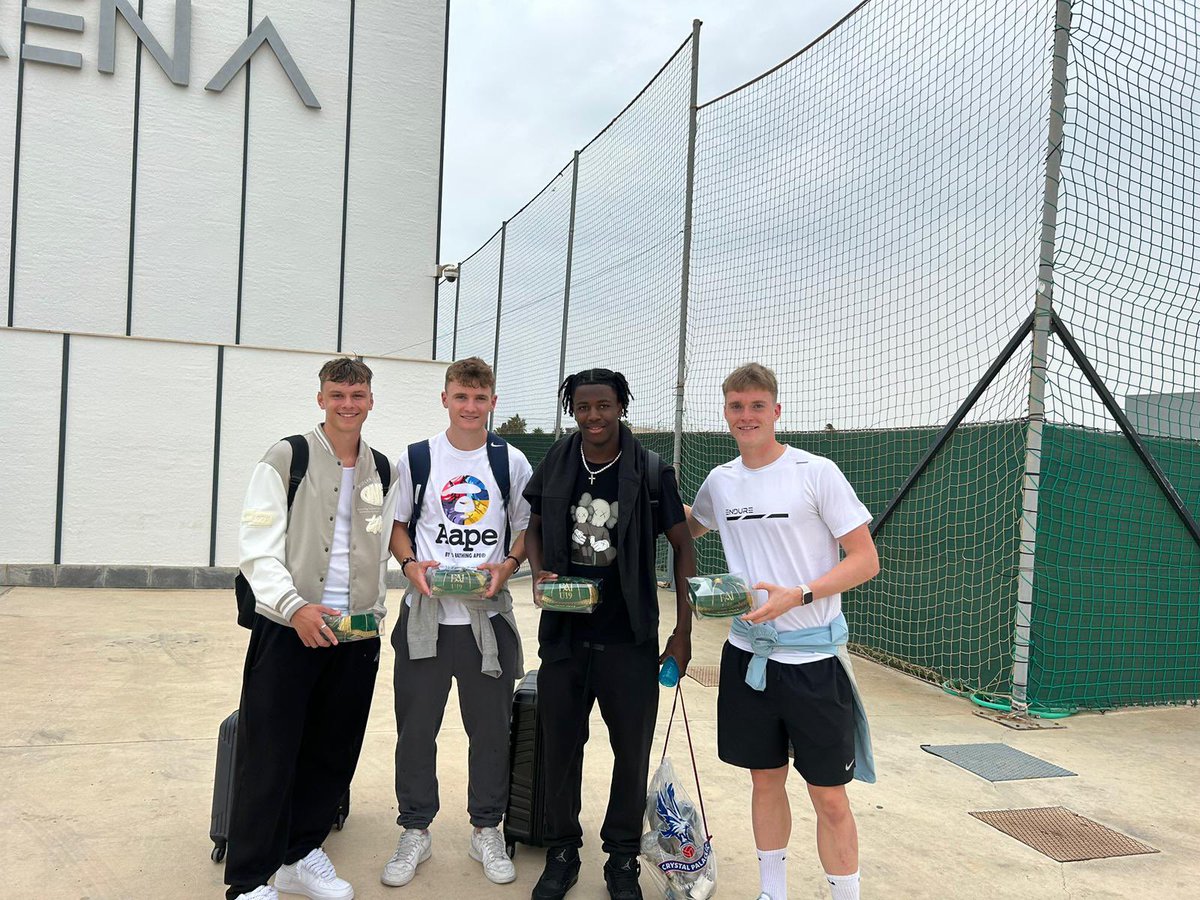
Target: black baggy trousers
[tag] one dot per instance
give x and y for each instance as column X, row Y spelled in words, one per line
column 623, row 679
column 300, row 730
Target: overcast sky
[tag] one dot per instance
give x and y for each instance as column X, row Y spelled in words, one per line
column 531, row 81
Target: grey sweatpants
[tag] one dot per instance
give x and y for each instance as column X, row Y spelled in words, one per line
column 422, row 687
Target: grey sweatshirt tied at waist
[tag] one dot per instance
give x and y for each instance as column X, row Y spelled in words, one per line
column 422, row 632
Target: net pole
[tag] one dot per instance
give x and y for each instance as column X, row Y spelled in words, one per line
column 686, row 266
column 562, row 344
column 454, row 334
column 499, row 307
column 1042, row 324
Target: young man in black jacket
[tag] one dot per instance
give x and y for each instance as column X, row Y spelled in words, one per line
column 594, row 514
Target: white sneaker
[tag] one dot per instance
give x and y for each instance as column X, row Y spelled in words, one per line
column 414, row 848
column 263, row 892
column 313, row 877
column 487, row 847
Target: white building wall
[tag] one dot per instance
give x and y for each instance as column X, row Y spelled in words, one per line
column 130, row 214
column 31, row 372
column 189, row 183
column 138, row 477
column 72, row 250
column 139, row 440
column 179, row 275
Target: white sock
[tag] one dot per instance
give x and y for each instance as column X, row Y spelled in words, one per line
column 772, row 873
column 844, row 887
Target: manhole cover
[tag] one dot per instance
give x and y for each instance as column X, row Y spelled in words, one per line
column 709, row 676
column 996, row 762
column 1061, row 834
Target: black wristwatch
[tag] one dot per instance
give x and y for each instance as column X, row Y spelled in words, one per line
column 806, row 595
column 404, row 563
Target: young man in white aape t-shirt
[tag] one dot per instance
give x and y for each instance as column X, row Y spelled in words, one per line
column 781, row 514
column 462, row 521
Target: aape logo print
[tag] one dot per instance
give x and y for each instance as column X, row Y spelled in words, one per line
column 464, row 500
column 745, row 513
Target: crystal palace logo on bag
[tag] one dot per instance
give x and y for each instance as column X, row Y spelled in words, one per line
column 675, row 825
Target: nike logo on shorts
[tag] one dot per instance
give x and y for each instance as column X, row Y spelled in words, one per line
column 849, row 764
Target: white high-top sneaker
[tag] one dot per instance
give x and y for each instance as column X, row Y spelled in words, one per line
column 487, row 847
column 313, row 877
column 414, row 848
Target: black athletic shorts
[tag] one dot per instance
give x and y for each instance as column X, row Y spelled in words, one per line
column 810, row 705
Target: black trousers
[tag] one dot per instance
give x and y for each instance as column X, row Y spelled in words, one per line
column 300, row 730
column 623, row 679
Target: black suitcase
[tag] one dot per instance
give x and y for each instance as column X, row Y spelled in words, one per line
column 222, row 804
column 525, row 818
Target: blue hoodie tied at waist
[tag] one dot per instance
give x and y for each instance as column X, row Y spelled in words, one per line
column 831, row 639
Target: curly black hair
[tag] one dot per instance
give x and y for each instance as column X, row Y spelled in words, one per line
column 615, row 380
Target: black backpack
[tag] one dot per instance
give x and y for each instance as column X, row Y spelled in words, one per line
column 420, row 463
column 241, row 586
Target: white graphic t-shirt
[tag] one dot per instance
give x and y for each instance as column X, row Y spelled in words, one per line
column 780, row 524
column 462, row 519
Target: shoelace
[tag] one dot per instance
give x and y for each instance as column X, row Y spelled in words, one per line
column 491, row 846
column 408, row 849
column 319, row 864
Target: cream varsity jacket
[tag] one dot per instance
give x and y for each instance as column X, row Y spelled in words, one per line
column 286, row 557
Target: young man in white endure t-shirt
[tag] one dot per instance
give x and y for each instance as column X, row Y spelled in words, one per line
column 781, row 514
column 462, row 522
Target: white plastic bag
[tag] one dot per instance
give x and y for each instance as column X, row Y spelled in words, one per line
column 682, row 862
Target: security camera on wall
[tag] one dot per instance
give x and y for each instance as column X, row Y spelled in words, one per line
column 449, row 271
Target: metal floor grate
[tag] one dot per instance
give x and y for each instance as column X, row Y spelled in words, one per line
column 996, row 762
column 1061, row 834
column 709, row 676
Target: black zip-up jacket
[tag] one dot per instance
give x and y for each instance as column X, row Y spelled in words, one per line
column 553, row 482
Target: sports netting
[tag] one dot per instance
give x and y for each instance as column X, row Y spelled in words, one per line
column 868, row 221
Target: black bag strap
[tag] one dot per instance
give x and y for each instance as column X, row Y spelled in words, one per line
column 691, row 749
column 419, row 464
column 497, row 454
column 384, row 467
column 654, row 479
column 299, row 465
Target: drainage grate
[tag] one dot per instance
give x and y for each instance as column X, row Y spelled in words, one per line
column 996, row 762
column 1061, row 834
column 709, row 676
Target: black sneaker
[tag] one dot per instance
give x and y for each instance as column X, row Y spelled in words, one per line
column 560, row 874
column 621, row 876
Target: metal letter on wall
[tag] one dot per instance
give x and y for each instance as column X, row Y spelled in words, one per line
column 178, row 70
column 264, row 33
column 49, row 19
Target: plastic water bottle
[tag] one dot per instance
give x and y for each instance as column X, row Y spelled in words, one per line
column 668, row 675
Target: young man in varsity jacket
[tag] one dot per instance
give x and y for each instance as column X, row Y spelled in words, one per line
column 597, row 508
column 782, row 514
column 305, row 695
column 459, row 493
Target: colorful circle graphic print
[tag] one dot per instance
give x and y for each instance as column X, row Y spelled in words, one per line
column 464, row 500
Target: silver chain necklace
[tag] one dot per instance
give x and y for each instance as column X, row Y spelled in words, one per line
column 592, row 474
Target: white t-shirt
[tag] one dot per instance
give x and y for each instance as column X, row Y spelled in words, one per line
column 337, row 579
column 462, row 519
column 780, row 524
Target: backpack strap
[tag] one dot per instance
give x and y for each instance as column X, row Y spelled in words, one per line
column 299, row 465
column 384, row 467
column 419, row 464
column 497, row 454
column 654, row 480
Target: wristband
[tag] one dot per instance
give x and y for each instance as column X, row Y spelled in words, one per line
column 516, row 562
column 404, row 563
